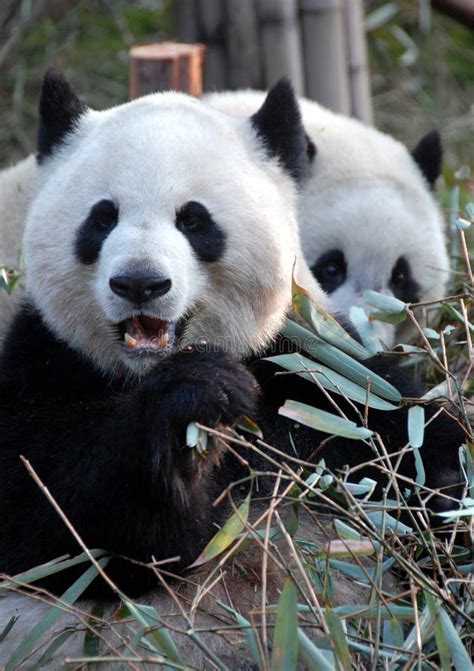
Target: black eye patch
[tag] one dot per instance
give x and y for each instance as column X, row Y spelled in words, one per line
column 330, row 270
column 101, row 220
column 203, row 234
column 402, row 283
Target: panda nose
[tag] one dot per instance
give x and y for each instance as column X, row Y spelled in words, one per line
column 139, row 289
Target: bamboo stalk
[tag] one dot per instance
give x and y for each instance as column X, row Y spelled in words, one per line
column 359, row 81
column 243, row 44
column 324, row 43
column 281, row 42
column 211, row 17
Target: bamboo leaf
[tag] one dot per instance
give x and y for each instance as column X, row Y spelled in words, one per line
column 226, row 535
column 366, row 329
column 48, row 654
column 324, row 325
column 416, row 425
column 383, row 302
column 148, row 617
column 311, row 656
column 339, row 361
column 459, row 655
column 329, row 379
column 323, row 421
column 441, row 643
column 285, row 639
column 247, row 424
column 53, row 614
column 247, row 629
column 348, row 548
column 338, row 638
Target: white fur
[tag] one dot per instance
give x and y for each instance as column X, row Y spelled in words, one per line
column 366, row 197
column 16, row 186
column 152, row 156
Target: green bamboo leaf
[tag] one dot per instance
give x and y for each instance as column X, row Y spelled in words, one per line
column 8, row 627
column 51, row 568
column 247, row 629
column 53, row 614
column 52, row 648
column 226, row 535
column 285, row 639
column 416, row 425
column 247, row 424
column 382, row 519
column 323, row 421
column 393, row 632
column 360, row 611
column 440, row 391
column 339, row 361
column 384, row 302
column 311, row 656
column 324, row 325
column 338, row 638
column 441, row 643
column 455, row 314
column 431, row 334
column 147, row 617
column 366, row 329
column 349, row 548
column 329, row 379
column 365, row 486
column 393, row 318
column 345, row 531
column 459, row 655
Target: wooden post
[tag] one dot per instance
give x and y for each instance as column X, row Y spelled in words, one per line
column 165, row 66
column 243, row 42
column 281, row 42
column 212, row 32
column 324, row 42
column 361, row 102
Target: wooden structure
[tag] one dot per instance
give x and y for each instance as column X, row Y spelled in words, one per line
column 168, row 65
column 318, row 44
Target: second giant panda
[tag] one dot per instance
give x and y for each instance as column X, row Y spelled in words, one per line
column 160, row 253
column 368, row 218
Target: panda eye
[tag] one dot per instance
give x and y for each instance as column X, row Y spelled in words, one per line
column 400, row 273
column 192, row 217
column 330, row 270
column 104, row 215
column 402, row 282
column 206, row 237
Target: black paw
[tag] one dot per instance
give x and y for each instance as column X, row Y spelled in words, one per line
column 211, row 388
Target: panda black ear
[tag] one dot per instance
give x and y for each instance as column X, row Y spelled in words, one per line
column 278, row 124
column 428, row 154
column 59, row 112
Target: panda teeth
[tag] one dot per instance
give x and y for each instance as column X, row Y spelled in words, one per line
column 130, row 342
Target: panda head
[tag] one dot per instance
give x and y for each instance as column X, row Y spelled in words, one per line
column 368, row 217
column 161, row 222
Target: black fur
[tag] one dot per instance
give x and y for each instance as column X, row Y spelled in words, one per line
column 113, row 453
column 402, row 282
column 90, row 237
column 428, row 154
column 204, row 235
column 330, row 270
column 278, row 124
column 59, row 111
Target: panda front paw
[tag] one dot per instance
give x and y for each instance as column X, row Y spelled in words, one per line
column 210, row 388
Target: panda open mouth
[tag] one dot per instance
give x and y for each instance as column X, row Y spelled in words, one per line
column 148, row 335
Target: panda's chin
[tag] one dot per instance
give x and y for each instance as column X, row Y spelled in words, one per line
column 147, row 337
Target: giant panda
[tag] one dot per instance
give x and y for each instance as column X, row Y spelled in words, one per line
column 160, row 252
column 368, row 218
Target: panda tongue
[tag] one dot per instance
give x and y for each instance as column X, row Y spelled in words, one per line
column 147, row 332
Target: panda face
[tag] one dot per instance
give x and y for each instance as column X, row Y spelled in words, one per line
column 379, row 238
column 161, row 223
